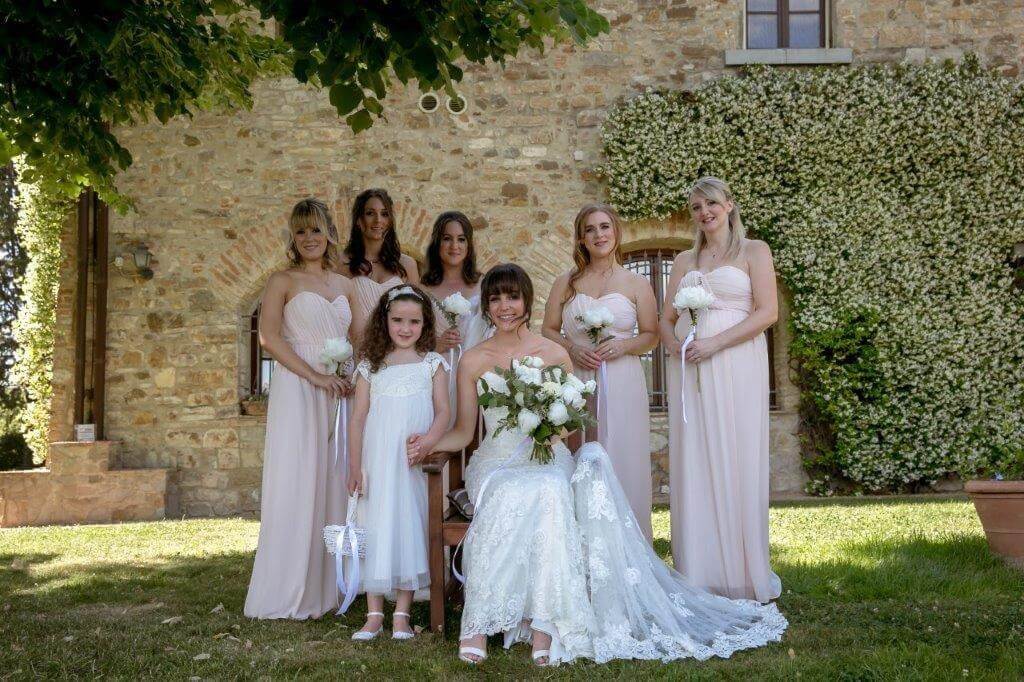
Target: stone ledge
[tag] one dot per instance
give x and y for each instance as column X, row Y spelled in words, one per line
column 39, row 497
column 790, row 56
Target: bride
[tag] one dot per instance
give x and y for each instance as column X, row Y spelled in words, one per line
column 554, row 555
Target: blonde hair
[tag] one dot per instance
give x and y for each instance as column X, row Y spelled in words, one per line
column 717, row 190
column 580, row 255
column 307, row 214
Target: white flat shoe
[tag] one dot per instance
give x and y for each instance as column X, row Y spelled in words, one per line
column 466, row 651
column 398, row 634
column 366, row 636
column 543, row 653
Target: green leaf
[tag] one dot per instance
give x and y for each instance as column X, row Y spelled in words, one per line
column 359, row 121
column 345, row 97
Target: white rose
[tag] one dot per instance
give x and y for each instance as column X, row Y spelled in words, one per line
column 529, row 375
column 520, row 399
column 337, row 349
column 557, row 373
column 528, row 421
column 533, row 361
column 551, row 388
column 590, row 386
column 595, row 317
column 575, row 382
column 571, row 394
column 496, row 383
column 607, row 317
column 557, row 413
column 694, row 298
column 456, row 304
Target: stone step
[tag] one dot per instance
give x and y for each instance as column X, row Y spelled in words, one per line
column 74, row 457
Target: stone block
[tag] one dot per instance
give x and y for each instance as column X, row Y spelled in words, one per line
column 73, row 457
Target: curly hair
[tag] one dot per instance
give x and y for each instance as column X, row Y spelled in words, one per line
column 377, row 342
column 391, row 250
column 310, row 213
column 434, row 273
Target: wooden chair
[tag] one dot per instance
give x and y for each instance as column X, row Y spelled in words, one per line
column 446, row 528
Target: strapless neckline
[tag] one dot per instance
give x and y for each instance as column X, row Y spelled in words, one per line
column 714, row 270
column 329, row 301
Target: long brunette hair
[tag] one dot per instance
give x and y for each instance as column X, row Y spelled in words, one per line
column 434, row 272
column 390, row 251
column 377, row 343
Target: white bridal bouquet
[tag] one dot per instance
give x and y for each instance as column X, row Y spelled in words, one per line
column 692, row 299
column 454, row 307
column 596, row 320
column 334, row 355
column 542, row 401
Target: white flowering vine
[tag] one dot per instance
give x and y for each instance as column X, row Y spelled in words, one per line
column 892, row 197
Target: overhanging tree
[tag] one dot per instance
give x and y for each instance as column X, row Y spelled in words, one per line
column 70, row 73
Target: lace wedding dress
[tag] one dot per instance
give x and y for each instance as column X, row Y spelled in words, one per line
column 557, row 548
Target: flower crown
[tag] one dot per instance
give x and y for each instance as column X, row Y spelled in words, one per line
column 403, row 291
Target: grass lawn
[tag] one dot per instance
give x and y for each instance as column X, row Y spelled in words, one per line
column 873, row 591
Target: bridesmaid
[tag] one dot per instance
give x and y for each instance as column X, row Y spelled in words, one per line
column 598, row 279
column 718, row 459
column 451, row 268
column 303, row 487
column 373, row 257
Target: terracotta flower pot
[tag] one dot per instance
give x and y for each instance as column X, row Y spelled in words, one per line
column 1000, row 505
column 254, row 408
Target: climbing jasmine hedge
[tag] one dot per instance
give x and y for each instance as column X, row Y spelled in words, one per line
column 41, row 215
column 892, row 197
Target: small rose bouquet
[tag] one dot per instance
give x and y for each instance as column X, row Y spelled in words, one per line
column 335, row 354
column 693, row 300
column 542, row 401
column 454, row 307
column 596, row 320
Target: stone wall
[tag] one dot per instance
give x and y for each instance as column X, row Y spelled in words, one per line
column 213, row 194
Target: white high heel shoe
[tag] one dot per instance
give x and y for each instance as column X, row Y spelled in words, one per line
column 398, row 634
column 365, row 635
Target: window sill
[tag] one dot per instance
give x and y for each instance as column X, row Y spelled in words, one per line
column 823, row 55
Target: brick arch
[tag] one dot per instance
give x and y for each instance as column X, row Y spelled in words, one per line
column 674, row 233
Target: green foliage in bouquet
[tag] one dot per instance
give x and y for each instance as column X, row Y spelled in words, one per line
column 543, row 402
column 892, row 197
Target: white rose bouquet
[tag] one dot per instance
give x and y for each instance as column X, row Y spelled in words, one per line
column 454, row 307
column 693, row 300
column 541, row 401
column 595, row 320
column 335, row 354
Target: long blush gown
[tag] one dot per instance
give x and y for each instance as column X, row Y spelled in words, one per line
column 303, row 486
column 367, row 294
column 624, row 425
column 718, row 459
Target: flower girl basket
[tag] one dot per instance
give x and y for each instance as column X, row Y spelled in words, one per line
column 348, row 541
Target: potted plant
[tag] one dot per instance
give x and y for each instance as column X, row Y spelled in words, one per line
column 255, row 405
column 998, row 498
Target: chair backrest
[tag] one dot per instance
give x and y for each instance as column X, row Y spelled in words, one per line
column 457, row 465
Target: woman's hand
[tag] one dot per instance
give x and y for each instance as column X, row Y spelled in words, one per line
column 700, row 350
column 673, row 347
column 450, row 338
column 348, row 387
column 611, row 349
column 331, row 383
column 585, row 358
column 355, row 482
column 418, row 447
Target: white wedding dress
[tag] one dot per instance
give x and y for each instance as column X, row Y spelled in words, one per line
column 557, row 548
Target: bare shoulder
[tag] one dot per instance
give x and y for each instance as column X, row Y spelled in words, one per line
column 561, row 282
column 280, row 280
column 554, row 353
column 474, row 361
column 758, row 251
column 683, row 259
column 340, row 282
column 408, row 262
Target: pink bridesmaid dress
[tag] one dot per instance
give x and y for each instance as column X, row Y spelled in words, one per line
column 718, row 459
column 303, row 485
column 367, row 294
column 624, row 425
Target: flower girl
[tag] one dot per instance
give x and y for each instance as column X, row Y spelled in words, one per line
column 399, row 393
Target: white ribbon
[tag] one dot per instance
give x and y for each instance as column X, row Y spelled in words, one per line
column 341, row 427
column 682, row 372
column 517, row 453
column 602, row 389
column 349, row 588
column 451, row 368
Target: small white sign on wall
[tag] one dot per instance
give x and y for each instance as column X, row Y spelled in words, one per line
column 85, row 433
